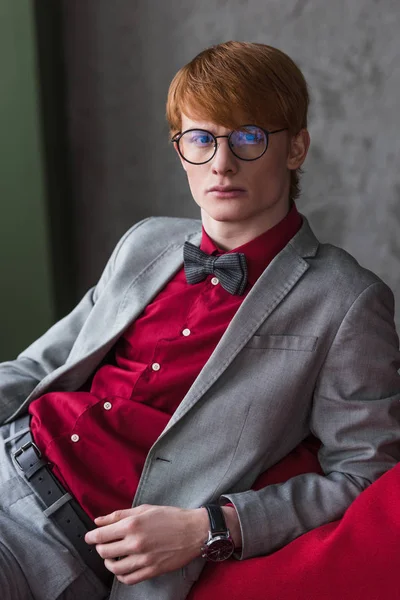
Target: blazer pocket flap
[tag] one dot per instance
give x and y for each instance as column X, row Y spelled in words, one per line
column 306, row 343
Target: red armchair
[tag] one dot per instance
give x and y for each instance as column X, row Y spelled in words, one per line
column 356, row 558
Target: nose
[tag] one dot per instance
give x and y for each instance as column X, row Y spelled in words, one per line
column 224, row 160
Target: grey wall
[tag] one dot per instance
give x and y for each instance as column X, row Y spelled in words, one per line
column 121, row 56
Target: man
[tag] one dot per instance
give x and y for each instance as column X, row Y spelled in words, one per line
column 170, row 388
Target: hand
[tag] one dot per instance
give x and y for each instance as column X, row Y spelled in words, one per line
column 149, row 540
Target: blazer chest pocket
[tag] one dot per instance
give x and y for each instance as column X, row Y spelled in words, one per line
column 304, row 343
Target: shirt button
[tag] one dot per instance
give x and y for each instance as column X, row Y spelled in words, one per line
column 107, row 405
column 215, row 281
column 155, row 366
column 186, row 332
column 75, row 437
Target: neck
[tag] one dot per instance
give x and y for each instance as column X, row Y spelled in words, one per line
column 228, row 235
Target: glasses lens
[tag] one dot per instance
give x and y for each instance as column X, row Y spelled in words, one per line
column 248, row 142
column 197, row 145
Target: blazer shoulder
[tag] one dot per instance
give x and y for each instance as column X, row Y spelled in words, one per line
column 343, row 272
column 334, row 269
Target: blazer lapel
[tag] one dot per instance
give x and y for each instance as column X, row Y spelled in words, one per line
column 146, row 286
column 268, row 292
column 138, row 294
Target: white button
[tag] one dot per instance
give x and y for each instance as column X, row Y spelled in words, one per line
column 107, row 405
column 186, row 332
column 75, row 437
column 215, row 281
column 155, row 367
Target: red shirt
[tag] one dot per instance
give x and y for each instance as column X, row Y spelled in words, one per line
column 97, row 441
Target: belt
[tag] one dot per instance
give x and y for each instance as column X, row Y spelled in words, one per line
column 60, row 506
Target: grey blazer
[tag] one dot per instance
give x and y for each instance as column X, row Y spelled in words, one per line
column 312, row 348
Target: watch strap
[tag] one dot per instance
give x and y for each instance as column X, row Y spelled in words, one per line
column 217, row 519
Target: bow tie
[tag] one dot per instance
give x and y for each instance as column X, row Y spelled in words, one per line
column 231, row 269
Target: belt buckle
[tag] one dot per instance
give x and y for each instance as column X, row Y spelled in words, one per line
column 24, row 448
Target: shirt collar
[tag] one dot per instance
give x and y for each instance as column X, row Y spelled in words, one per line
column 260, row 251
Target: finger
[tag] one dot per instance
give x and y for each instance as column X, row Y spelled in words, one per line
column 138, row 576
column 127, row 564
column 113, row 517
column 115, row 549
column 108, row 533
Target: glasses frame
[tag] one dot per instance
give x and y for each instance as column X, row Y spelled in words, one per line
column 177, row 137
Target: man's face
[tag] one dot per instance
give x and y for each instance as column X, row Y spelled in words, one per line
column 251, row 194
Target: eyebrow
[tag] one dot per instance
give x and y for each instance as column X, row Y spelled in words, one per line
column 211, row 129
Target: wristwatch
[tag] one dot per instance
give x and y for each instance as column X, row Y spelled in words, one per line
column 219, row 545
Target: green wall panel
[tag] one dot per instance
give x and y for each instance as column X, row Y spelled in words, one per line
column 26, row 291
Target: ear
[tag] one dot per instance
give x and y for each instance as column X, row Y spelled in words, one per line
column 298, row 149
column 183, row 162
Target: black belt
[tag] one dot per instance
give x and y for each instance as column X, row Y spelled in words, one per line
column 60, row 506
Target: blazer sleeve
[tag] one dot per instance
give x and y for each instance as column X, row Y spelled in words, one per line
column 18, row 378
column 355, row 414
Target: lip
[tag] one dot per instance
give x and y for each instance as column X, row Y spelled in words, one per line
column 226, row 191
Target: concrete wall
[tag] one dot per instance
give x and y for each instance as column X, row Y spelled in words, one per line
column 121, row 56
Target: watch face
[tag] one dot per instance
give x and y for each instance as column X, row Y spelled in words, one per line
column 219, row 548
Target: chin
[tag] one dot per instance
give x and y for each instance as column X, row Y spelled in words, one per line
column 227, row 218
column 222, row 212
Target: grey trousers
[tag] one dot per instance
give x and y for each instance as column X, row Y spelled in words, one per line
column 36, row 560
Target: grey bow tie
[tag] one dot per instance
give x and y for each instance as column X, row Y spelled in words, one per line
column 231, row 269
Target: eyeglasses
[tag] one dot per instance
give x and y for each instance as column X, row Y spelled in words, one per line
column 198, row 146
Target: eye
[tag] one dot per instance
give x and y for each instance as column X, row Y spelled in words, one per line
column 251, row 136
column 200, row 138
